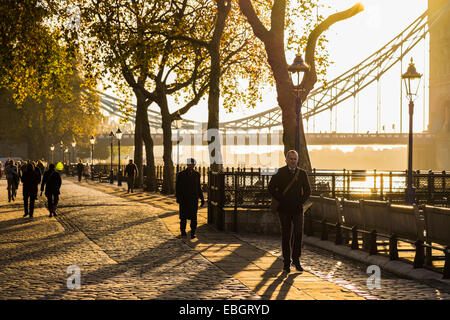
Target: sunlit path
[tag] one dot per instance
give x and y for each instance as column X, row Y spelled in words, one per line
column 127, row 247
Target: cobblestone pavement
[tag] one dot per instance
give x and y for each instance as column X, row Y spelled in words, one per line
column 127, row 247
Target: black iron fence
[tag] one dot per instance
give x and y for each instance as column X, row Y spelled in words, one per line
column 247, row 187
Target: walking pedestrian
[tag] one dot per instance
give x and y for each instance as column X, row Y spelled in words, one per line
column 41, row 167
column 1, row 170
column 188, row 192
column 12, row 178
column 31, row 177
column 131, row 171
column 290, row 187
column 52, row 183
column 87, row 171
column 80, row 169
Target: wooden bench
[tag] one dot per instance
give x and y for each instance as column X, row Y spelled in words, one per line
column 437, row 226
column 352, row 219
column 393, row 222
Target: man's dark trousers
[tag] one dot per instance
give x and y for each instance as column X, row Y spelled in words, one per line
column 29, row 209
column 79, row 176
column 130, row 183
column 193, row 225
column 291, row 236
column 52, row 199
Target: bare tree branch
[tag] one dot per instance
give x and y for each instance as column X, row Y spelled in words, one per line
column 311, row 76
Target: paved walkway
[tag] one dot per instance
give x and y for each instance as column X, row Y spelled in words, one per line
column 128, row 247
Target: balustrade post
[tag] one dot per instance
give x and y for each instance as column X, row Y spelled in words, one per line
column 338, row 239
column 355, row 244
column 447, row 263
column 236, row 197
column 348, row 184
column 324, row 235
column 430, row 188
column 343, row 181
column 393, row 248
column 210, row 198
column 333, row 185
column 221, row 201
column 444, row 186
column 308, row 224
column 373, row 248
column 390, row 181
column 419, row 258
column 375, row 179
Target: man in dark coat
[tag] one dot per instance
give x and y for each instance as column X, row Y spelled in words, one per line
column 31, row 177
column 12, row 177
column 290, row 209
column 80, row 169
column 131, row 172
column 188, row 192
column 52, row 183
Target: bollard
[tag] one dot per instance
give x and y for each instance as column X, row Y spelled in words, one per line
column 308, row 223
column 373, row 249
column 324, row 235
column 393, row 249
column 447, row 263
column 338, row 239
column 355, row 244
column 419, row 259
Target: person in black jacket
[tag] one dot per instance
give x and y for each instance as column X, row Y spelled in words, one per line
column 188, row 191
column 31, row 177
column 131, row 171
column 80, row 169
column 52, row 183
column 290, row 209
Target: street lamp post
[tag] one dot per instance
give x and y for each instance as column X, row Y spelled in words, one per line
column 119, row 171
column 111, row 172
column 92, row 141
column 52, row 148
column 297, row 67
column 178, row 124
column 412, row 80
column 66, row 159
column 74, row 143
column 61, row 145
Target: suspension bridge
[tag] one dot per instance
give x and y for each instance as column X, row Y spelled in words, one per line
column 329, row 98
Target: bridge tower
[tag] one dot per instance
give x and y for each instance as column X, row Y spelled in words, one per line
column 439, row 90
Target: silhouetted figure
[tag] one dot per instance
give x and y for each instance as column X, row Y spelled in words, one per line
column 52, row 183
column 80, row 169
column 19, row 169
column 131, row 171
column 12, row 177
column 31, row 177
column 290, row 209
column 188, row 192
column 41, row 167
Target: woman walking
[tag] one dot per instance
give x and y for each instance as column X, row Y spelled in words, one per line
column 13, row 179
column 31, row 177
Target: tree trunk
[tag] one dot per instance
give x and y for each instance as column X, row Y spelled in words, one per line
column 168, row 177
column 138, row 143
column 214, row 145
column 150, row 182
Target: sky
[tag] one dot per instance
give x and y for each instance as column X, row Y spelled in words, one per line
column 350, row 42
